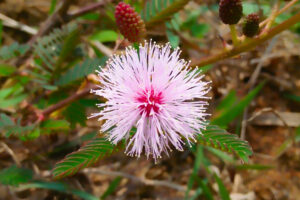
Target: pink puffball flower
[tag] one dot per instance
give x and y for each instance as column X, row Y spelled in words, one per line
column 153, row 90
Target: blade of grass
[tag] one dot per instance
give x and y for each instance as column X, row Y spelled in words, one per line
column 111, row 188
column 57, row 186
column 229, row 115
column 222, row 189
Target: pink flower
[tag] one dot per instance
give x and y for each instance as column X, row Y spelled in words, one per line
column 153, row 90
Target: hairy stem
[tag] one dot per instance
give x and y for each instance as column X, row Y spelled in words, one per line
column 248, row 45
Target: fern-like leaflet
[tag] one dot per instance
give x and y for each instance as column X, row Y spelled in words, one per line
column 84, row 157
column 157, row 11
column 8, row 127
column 52, row 50
column 220, row 139
column 13, row 50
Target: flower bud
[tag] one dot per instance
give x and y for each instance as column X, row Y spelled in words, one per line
column 230, row 11
column 129, row 22
column 251, row 25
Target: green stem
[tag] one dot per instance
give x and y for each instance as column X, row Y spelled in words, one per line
column 234, row 36
column 246, row 46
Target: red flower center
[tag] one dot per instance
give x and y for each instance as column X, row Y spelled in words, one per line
column 150, row 101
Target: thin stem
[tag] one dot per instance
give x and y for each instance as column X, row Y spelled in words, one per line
column 246, row 46
column 234, row 36
column 272, row 17
column 285, row 8
column 66, row 101
column 87, row 9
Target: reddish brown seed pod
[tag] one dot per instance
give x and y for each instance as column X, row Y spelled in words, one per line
column 251, row 25
column 230, row 11
column 129, row 23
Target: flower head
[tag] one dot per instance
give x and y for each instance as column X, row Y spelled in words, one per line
column 153, row 90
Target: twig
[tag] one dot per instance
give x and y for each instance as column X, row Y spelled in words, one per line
column 104, row 49
column 87, row 9
column 272, row 17
column 264, row 110
column 137, row 179
column 285, row 8
column 9, row 22
column 252, row 82
column 11, row 153
column 248, row 45
column 66, row 101
column 52, row 20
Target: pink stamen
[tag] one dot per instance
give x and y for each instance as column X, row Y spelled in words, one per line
column 150, row 101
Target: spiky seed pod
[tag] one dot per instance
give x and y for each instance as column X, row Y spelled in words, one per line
column 230, row 11
column 251, row 25
column 129, row 22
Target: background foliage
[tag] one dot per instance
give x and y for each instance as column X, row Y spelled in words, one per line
column 48, row 55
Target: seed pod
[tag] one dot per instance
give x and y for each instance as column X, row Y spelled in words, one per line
column 230, row 11
column 251, row 25
column 129, row 22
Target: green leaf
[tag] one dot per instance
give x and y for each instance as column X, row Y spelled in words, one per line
column 292, row 97
column 14, row 176
column 111, row 188
column 173, row 38
column 104, row 36
column 205, row 188
column 228, row 101
column 297, row 135
column 52, row 7
column 84, row 157
column 52, row 124
column 79, row 71
column 220, row 139
column 52, row 51
column 230, row 114
column 75, row 113
column 222, row 189
column 59, row 187
column 68, row 47
column 157, row 11
column 197, row 164
column 222, row 155
column 13, row 50
column 90, row 16
column 199, row 30
column 12, row 102
column 6, row 70
column 9, row 127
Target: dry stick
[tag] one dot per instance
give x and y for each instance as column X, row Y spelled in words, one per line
column 137, row 179
column 248, row 45
column 86, row 10
column 251, row 84
column 11, row 153
column 52, row 20
column 66, row 101
column 9, row 22
column 272, row 17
